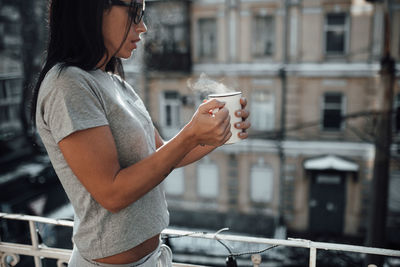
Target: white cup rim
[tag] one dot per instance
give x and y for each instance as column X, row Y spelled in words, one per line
column 224, row 94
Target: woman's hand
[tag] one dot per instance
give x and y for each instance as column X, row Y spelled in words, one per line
column 208, row 127
column 244, row 114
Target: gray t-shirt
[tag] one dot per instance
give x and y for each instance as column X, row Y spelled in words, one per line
column 73, row 100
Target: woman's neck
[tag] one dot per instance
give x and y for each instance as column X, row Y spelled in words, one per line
column 103, row 63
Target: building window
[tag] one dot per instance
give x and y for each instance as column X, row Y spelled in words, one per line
column 174, row 39
column 263, row 36
column 332, row 111
column 12, row 28
column 394, row 193
column 170, row 113
column 207, row 38
column 262, row 111
column 10, row 98
column 4, row 114
column 262, row 182
column 336, row 33
column 396, row 114
column 167, row 47
column 207, row 180
column 398, row 46
column 174, row 184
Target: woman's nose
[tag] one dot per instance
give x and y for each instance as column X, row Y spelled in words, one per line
column 141, row 27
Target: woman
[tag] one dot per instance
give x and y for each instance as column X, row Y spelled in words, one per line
column 100, row 139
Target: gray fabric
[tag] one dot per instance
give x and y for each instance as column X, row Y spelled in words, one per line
column 74, row 100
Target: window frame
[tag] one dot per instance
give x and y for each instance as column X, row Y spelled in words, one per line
column 181, row 173
column 342, row 111
column 272, row 103
column 394, row 179
column 172, row 129
column 255, row 55
column 396, row 105
column 199, row 35
column 208, row 163
column 346, row 28
column 271, row 183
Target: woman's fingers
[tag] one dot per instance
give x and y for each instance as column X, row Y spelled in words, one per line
column 243, row 102
column 222, row 114
column 227, row 137
column 244, row 125
column 227, row 126
column 243, row 135
column 211, row 105
column 224, row 128
column 242, row 113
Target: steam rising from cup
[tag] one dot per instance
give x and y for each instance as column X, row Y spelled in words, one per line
column 205, row 86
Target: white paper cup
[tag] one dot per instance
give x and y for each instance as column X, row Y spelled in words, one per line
column 232, row 103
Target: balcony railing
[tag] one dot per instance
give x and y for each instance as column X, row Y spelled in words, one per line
column 10, row 252
column 168, row 61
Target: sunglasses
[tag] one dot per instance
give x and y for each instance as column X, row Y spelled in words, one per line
column 137, row 9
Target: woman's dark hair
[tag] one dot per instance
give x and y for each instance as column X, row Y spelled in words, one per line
column 76, row 39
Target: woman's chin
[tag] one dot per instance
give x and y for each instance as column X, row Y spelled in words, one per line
column 125, row 54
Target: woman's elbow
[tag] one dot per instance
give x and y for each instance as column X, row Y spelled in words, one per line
column 112, row 209
column 114, row 199
column 111, row 203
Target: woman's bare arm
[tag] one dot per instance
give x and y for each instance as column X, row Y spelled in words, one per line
column 195, row 154
column 93, row 158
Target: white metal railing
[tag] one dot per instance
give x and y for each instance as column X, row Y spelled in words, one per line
column 9, row 252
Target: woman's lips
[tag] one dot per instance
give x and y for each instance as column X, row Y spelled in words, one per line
column 133, row 42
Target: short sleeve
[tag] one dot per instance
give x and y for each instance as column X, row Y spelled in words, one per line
column 72, row 104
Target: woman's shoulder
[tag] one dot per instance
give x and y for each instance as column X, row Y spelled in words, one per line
column 121, row 82
column 64, row 72
column 68, row 76
column 64, row 81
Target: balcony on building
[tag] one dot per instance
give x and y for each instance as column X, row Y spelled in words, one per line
column 167, row 45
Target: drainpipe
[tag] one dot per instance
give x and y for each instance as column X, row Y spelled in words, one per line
column 376, row 235
column 282, row 133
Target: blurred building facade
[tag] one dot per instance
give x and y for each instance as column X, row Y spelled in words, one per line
column 10, row 70
column 28, row 183
column 302, row 65
column 310, row 70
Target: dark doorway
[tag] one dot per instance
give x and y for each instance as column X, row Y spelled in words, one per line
column 327, row 203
